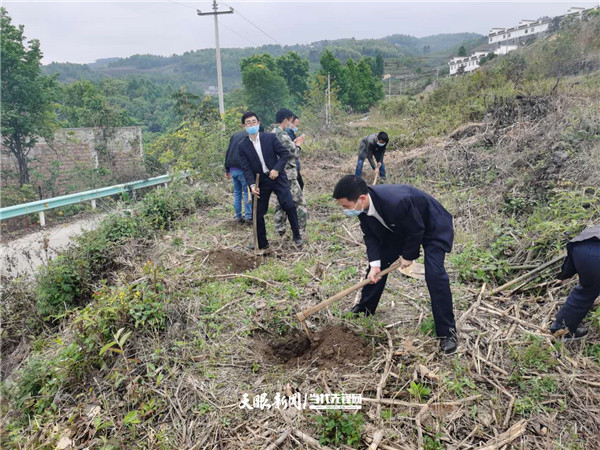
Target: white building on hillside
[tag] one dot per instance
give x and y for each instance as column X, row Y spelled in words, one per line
column 468, row 63
column 504, row 40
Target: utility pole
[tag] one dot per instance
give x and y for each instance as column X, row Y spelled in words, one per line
column 215, row 13
column 328, row 105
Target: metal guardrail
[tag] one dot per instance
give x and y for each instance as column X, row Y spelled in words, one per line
column 40, row 206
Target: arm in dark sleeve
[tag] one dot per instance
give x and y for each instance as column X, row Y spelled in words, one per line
column 362, row 148
column 370, row 156
column 247, row 168
column 282, row 153
column 379, row 155
column 372, row 243
column 227, row 152
column 411, row 223
column 568, row 267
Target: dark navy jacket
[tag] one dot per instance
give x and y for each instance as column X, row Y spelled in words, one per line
column 232, row 156
column 568, row 268
column 274, row 154
column 414, row 217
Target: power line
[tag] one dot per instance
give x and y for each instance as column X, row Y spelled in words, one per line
column 222, row 24
column 254, row 25
column 235, row 32
column 181, row 4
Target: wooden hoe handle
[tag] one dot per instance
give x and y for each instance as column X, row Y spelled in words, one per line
column 303, row 315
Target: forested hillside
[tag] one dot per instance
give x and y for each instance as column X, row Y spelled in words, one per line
column 197, row 69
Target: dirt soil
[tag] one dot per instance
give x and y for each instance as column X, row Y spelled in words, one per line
column 228, row 261
column 332, row 347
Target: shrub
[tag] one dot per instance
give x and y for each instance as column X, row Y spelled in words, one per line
column 61, row 283
column 95, row 332
column 165, row 206
column 66, row 281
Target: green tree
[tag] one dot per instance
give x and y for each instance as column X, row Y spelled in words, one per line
column 294, row 70
column 356, row 95
column 191, row 107
column 462, row 51
column 371, row 84
column 379, row 67
column 27, row 96
column 331, row 66
column 363, row 89
column 265, row 89
column 83, row 104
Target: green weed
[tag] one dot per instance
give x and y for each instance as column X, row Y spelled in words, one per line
column 418, row 391
column 536, row 356
column 339, row 428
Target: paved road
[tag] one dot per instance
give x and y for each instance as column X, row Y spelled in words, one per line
column 22, row 256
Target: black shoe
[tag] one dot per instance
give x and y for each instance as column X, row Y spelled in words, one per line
column 251, row 247
column 240, row 220
column 247, row 221
column 357, row 310
column 564, row 334
column 448, row 345
column 299, row 242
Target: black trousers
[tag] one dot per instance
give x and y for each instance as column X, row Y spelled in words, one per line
column 284, row 196
column 586, row 257
column 436, row 279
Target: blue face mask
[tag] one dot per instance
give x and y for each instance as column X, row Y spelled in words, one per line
column 353, row 212
column 295, row 129
column 289, row 129
column 252, row 130
column 380, row 144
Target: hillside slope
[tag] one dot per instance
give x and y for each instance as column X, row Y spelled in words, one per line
column 187, row 321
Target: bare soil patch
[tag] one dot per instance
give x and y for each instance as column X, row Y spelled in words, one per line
column 228, row 261
column 332, row 347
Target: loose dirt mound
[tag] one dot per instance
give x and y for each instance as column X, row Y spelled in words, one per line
column 228, row 261
column 333, row 347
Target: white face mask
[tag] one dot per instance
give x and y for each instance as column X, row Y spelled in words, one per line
column 353, row 212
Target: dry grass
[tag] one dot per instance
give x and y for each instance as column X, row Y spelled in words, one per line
column 509, row 385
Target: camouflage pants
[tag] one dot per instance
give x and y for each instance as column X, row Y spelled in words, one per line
column 281, row 221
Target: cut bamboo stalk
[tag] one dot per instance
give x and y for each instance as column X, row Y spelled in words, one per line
column 528, row 274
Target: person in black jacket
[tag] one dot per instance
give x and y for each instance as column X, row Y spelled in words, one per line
column 233, row 170
column 262, row 154
column 396, row 221
column 583, row 258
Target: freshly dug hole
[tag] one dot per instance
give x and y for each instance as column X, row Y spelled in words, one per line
column 332, row 347
column 226, row 261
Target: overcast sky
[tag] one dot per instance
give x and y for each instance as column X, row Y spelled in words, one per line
column 84, row 31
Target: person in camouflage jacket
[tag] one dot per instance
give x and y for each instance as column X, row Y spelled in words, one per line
column 284, row 118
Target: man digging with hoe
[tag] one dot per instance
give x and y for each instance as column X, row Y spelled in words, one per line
column 396, row 220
